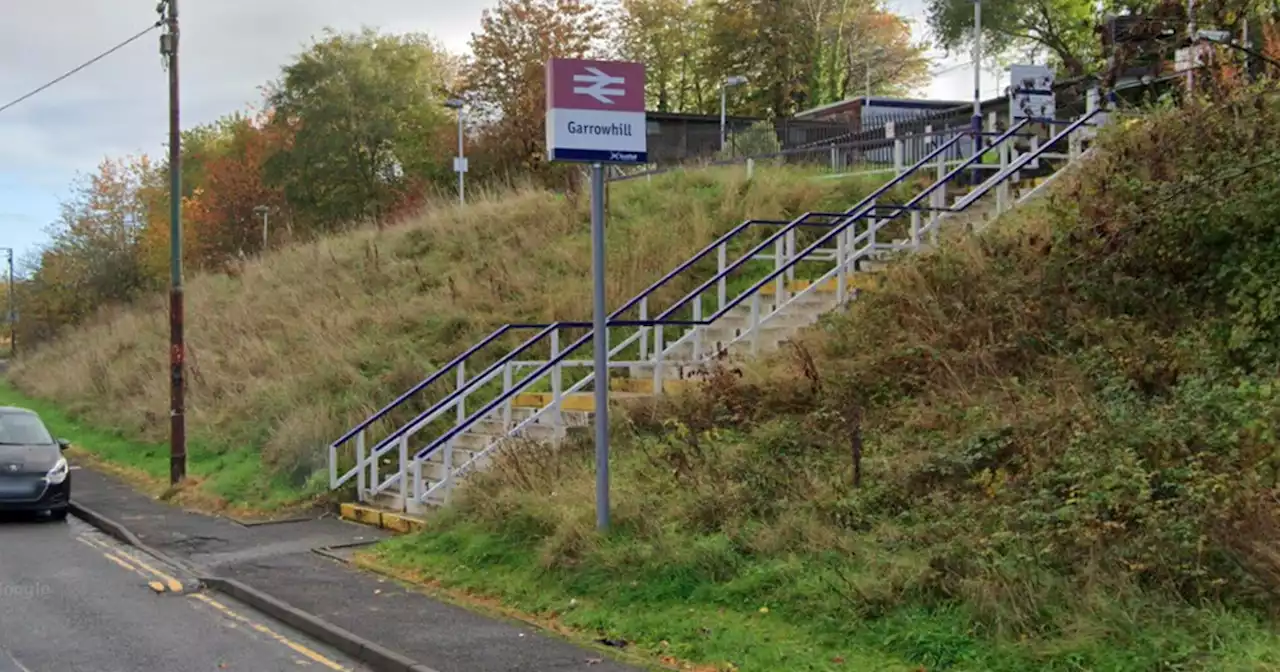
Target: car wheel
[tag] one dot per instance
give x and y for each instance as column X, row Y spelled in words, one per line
column 58, row 514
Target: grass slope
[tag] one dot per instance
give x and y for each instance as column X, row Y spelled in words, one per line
column 1068, row 431
column 289, row 351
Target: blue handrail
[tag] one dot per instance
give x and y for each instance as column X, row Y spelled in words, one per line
column 515, row 352
column 560, row 357
column 498, row 333
column 449, row 398
column 802, row 220
column 440, row 373
column 492, row 405
column 840, row 228
column 861, row 206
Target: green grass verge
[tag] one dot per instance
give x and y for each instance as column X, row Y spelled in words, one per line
column 233, row 479
column 710, row 606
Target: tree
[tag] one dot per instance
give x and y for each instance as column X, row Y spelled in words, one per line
column 95, row 256
column 223, row 212
column 506, row 79
column 860, row 43
column 670, row 38
column 1065, row 28
column 360, row 110
column 798, row 54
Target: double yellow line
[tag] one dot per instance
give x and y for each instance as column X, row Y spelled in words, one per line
column 264, row 630
column 158, row 580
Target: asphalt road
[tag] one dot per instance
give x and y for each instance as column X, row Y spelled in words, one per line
column 72, row 599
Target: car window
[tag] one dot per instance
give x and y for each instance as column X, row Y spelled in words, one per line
column 23, row 428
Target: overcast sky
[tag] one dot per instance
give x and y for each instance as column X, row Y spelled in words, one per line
column 118, row 106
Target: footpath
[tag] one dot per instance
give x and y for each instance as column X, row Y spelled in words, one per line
column 294, row 571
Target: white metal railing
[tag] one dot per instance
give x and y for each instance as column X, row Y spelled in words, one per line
column 657, row 352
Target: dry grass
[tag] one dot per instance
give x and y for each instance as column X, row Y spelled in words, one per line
column 288, row 351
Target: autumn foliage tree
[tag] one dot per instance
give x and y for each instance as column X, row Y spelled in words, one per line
column 96, row 254
column 225, row 222
column 1064, row 31
column 354, row 129
column 506, row 78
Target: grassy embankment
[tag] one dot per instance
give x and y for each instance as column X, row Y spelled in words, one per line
column 289, row 351
column 1069, row 440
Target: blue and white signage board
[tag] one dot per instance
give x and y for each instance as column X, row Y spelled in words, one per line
column 595, row 111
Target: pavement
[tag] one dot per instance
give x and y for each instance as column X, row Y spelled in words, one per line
column 294, row 571
column 72, row 599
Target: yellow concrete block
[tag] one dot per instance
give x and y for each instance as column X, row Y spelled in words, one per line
column 582, row 402
column 361, row 514
column 399, row 522
column 796, row 286
column 865, row 281
column 528, row 400
column 347, row 511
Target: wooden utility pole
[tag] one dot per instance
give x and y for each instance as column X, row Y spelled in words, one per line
column 177, row 347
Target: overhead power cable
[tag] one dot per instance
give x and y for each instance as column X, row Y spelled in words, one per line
column 80, row 67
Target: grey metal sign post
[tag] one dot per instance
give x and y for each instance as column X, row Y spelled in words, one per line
column 595, row 115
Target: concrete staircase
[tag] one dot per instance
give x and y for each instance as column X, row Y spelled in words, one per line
column 413, row 469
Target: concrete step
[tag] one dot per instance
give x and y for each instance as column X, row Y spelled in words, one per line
column 795, row 317
column 672, row 369
column 584, row 402
column 570, row 417
column 864, row 279
column 645, row 386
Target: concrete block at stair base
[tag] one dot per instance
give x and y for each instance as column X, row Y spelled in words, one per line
column 361, row 514
column 386, row 515
column 404, row 524
column 644, row 385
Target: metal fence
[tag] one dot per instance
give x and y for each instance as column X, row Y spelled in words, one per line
column 843, row 147
column 884, row 155
column 679, row 139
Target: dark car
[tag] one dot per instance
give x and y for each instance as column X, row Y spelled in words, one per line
column 34, row 476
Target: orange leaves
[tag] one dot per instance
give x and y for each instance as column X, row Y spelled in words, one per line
column 507, row 70
column 220, row 216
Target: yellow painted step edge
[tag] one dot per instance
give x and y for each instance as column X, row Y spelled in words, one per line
column 375, row 517
column 854, row 281
column 585, row 402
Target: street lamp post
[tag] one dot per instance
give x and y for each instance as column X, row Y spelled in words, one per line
column 264, row 211
column 877, row 52
column 724, row 88
column 459, row 162
column 977, row 84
